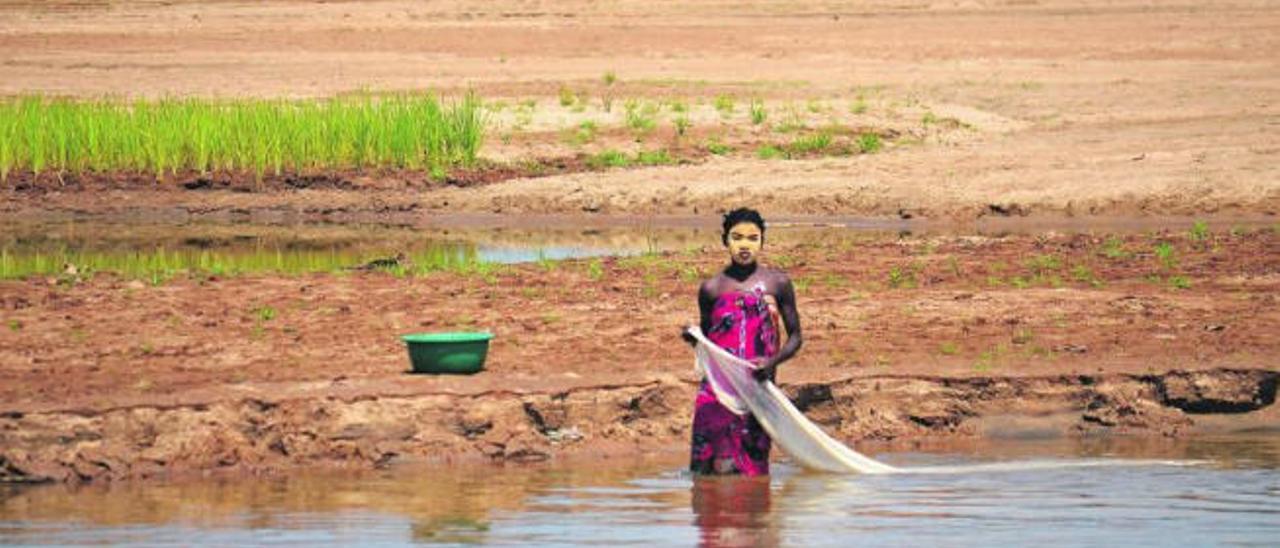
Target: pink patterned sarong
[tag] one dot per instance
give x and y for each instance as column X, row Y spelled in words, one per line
column 724, row 442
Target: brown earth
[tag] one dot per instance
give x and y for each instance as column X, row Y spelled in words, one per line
column 904, row 338
column 1040, row 107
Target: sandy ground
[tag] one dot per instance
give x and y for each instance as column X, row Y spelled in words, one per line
column 1056, row 107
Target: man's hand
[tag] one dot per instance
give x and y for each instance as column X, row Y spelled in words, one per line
column 688, row 337
column 764, row 370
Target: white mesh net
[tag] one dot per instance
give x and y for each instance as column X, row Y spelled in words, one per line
column 731, row 380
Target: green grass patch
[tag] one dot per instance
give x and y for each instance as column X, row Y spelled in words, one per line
column 411, row 131
column 1084, row 274
column 869, row 143
column 724, row 105
column 682, row 125
column 816, row 143
column 769, row 152
column 159, row 264
column 718, row 148
column 904, row 278
column 1166, row 255
column 584, row 133
column 641, row 117
column 1199, row 232
column 758, row 112
column 1043, row 264
column 609, row 158
column 654, row 158
column 1113, row 248
column 595, row 269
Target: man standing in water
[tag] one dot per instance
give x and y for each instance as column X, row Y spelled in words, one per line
column 740, row 309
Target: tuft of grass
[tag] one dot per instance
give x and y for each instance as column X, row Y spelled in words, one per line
column 811, row 144
column 1166, row 255
column 988, row 358
column 1044, row 264
column 168, row 136
column 606, row 100
column 595, row 269
column 264, row 313
column 14, row 325
column 1084, row 274
column 585, row 133
column 869, row 143
column 641, row 118
column 769, row 152
column 902, row 278
column 758, row 112
column 1199, row 232
column 792, row 123
column 607, row 159
column 547, row 263
column 948, row 349
column 1179, row 282
column 567, row 97
column 858, row 107
column 724, row 105
column 718, row 148
column 690, row 274
column 654, row 158
column 1113, row 248
column 682, row 125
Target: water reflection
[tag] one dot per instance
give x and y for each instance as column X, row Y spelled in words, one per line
column 1231, row 497
column 733, row 511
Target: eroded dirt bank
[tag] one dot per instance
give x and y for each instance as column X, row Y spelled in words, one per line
column 269, row 435
column 1158, row 333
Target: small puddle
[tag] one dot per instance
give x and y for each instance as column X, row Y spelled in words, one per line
column 1224, row 492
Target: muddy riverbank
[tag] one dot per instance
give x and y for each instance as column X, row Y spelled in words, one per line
column 1158, row 333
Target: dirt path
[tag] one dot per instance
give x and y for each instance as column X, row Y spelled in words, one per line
column 904, row 338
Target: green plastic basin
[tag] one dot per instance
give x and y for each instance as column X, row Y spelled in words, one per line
column 456, row 353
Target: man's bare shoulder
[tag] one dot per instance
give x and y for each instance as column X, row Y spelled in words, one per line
column 711, row 285
column 776, row 276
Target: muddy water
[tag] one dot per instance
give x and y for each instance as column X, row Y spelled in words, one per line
column 338, row 245
column 1182, row 492
column 500, row 239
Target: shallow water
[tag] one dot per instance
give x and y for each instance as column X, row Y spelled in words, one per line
column 139, row 246
column 1222, row 490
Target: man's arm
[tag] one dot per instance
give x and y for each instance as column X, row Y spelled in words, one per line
column 706, row 301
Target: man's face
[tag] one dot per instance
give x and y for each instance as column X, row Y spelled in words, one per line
column 745, row 241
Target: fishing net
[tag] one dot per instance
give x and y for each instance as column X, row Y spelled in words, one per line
column 731, row 380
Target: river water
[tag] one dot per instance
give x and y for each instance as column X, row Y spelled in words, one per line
column 1209, row 490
